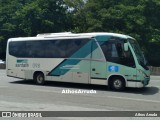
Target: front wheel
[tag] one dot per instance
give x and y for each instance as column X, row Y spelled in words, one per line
column 39, row 78
column 117, row 83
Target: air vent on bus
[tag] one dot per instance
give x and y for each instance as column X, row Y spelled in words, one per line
column 53, row 34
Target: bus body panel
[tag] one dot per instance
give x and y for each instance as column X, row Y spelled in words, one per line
column 87, row 65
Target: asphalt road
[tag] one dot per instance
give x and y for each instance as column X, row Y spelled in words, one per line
column 24, row 95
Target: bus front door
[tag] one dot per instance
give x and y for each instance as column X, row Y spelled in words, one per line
column 98, row 65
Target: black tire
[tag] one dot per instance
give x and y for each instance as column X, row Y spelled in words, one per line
column 117, row 84
column 39, row 78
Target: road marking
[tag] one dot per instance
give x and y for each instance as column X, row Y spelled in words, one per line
column 3, row 86
column 153, row 101
column 155, row 86
column 155, row 81
column 126, row 98
column 2, row 74
column 41, row 90
column 143, row 100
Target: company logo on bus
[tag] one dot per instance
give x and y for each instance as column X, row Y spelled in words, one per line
column 113, row 68
column 22, row 63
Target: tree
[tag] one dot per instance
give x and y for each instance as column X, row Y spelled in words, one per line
column 39, row 17
column 30, row 17
column 7, row 23
column 152, row 14
column 138, row 18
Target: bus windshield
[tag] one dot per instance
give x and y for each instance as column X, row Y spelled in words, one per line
column 138, row 52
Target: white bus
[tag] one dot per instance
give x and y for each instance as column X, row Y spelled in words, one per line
column 90, row 58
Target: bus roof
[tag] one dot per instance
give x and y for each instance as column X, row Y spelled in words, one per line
column 93, row 34
column 67, row 35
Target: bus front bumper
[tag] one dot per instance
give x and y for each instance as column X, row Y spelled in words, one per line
column 143, row 83
column 138, row 83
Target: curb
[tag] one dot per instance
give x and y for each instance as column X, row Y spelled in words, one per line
column 2, row 66
column 155, row 77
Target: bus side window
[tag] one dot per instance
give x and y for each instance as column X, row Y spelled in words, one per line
column 120, row 50
column 17, row 49
column 125, row 58
column 129, row 60
column 110, row 51
column 114, row 52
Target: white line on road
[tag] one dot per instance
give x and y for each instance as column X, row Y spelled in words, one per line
column 115, row 97
column 143, row 100
column 3, row 74
column 3, row 86
column 41, row 90
column 154, row 86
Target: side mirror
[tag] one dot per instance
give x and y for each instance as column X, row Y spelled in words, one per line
column 126, row 47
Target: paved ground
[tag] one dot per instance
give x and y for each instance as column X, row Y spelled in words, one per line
column 21, row 95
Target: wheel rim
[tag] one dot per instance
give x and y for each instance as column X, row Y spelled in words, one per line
column 117, row 84
column 40, row 78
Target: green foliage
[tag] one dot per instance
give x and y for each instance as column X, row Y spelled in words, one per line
column 138, row 18
column 30, row 17
column 40, row 16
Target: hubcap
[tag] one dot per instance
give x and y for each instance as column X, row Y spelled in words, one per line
column 117, row 84
column 39, row 79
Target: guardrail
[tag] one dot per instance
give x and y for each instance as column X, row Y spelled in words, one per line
column 154, row 70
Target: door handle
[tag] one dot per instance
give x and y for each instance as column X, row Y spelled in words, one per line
column 97, row 73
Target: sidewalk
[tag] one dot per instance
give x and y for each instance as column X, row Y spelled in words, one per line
column 153, row 77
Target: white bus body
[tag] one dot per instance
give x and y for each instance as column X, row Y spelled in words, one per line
column 90, row 58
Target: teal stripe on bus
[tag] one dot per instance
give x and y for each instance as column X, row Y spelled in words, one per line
column 81, row 53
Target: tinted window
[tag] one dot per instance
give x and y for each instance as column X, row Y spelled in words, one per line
column 55, row 49
column 73, row 46
column 17, row 49
column 46, row 49
column 114, row 52
column 35, row 49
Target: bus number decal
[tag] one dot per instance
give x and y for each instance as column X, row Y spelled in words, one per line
column 36, row 65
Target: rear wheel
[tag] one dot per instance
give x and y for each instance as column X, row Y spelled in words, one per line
column 117, row 83
column 39, row 78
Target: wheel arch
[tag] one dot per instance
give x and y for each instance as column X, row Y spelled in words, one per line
column 117, row 75
column 37, row 72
